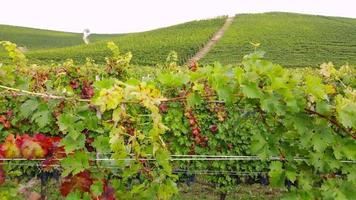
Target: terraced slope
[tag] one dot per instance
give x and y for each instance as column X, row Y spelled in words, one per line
column 148, row 48
column 34, row 39
column 289, row 39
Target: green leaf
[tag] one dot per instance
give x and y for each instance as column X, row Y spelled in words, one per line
column 28, row 107
column 104, row 84
column 66, row 121
column 319, row 143
column 101, row 144
column 291, row 174
column 97, row 188
column 225, row 94
column 315, row 87
column 167, row 189
column 71, row 144
column 42, row 118
column 252, row 91
column 323, row 108
column 74, row 196
column 277, row 174
column 259, row 146
column 173, row 80
column 272, row 104
column 346, row 111
column 162, row 157
column 70, row 124
column 194, row 99
column 239, row 72
column 75, row 163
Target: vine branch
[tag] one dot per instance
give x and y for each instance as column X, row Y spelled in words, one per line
column 43, row 95
column 332, row 121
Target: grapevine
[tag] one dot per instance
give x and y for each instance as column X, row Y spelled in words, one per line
column 81, row 120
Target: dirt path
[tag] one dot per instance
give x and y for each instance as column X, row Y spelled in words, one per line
column 216, row 37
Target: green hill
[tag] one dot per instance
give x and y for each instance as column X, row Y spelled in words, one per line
column 34, row 39
column 289, row 39
column 148, row 48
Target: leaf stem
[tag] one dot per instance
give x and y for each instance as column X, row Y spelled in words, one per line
column 332, row 121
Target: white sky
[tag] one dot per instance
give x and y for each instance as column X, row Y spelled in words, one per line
column 120, row 16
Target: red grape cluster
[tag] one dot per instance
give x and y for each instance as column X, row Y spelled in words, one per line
column 87, row 90
column 196, row 132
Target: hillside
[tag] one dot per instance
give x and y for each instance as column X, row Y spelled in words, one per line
column 34, row 39
column 148, row 48
column 288, row 39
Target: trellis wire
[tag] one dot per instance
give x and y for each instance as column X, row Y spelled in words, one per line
column 57, row 97
column 182, row 158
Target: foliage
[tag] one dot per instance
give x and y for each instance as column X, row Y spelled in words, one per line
column 117, row 64
column 14, row 53
column 113, row 135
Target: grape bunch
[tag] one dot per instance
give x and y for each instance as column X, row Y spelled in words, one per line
column 196, row 132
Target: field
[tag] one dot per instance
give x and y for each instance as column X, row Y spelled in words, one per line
column 289, row 39
column 146, row 126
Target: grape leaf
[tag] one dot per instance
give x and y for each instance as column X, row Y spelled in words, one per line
column 277, row 173
column 252, row 91
column 101, row 144
column 75, row 163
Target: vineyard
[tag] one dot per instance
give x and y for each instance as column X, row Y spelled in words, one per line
column 37, row 39
column 294, row 40
column 118, row 131
column 150, row 48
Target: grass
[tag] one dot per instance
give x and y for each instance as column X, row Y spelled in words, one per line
column 247, row 192
column 289, row 39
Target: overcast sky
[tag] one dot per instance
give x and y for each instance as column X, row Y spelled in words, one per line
column 120, row 16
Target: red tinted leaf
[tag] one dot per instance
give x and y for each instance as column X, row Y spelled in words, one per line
column 30, row 148
column 81, row 182
column 49, row 163
column 45, row 142
column 108, row 192
column 2, row 118
column 6, row 123
column 10, row 149
column 56, row 152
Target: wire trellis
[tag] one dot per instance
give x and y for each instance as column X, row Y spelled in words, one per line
column 179, row 158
